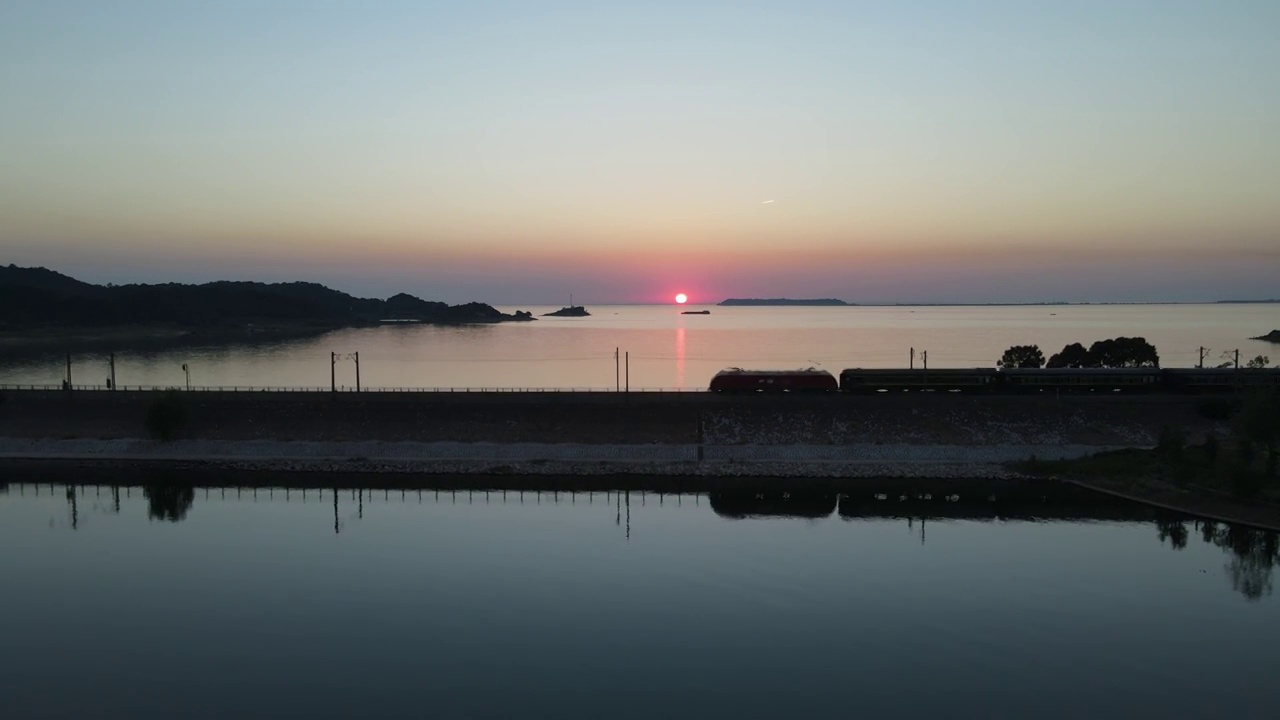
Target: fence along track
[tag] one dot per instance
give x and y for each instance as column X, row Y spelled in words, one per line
column 296, row 389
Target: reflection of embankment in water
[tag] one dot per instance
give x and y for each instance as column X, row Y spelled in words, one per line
column 1252, row 554
column 169, row 503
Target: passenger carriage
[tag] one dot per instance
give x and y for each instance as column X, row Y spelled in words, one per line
column 1079, row 380
column 858, row 380
column 1201, row 380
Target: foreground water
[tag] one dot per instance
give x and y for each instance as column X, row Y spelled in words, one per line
column 160, row 602
column 666, row 349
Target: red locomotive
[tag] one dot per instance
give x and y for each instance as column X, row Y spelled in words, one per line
column 737, row 380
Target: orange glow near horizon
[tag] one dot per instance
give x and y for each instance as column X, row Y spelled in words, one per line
column 681, row 298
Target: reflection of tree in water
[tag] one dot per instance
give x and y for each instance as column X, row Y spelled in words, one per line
column 1254, row 554
column 169, row 502
column 1175, row 531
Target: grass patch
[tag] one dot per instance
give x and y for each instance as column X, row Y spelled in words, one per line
column 1215, row 465
column 1130, row 463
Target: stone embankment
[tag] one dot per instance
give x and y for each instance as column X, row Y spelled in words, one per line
column 893, row 460
column 592, row 433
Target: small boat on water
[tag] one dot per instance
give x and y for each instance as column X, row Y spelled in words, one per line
column 696, row 312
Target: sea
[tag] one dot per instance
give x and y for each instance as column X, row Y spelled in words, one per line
column 653, row 347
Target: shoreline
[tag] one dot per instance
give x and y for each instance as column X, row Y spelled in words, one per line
column 568, row 467
column 161, row 336
column 1208, row 506
column 997, row 484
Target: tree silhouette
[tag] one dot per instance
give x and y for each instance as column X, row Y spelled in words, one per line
column 1072, row 356
column 1124, row 352
column 167, row 415
column 1121, row 352
column 1022, row 356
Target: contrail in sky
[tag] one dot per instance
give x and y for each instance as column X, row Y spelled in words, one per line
column 766, row 202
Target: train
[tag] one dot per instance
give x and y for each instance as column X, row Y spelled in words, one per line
column 997, row 380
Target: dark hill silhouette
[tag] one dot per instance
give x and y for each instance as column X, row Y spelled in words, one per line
column 45, row 280
column 41, row 298
column 403, row 306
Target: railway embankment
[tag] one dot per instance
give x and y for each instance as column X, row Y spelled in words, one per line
column 591, row 433
column 898, row 460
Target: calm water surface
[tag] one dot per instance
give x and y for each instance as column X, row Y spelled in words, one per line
column 671, row 350
column 149, row 603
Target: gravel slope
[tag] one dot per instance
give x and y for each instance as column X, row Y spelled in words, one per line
column 861, row 460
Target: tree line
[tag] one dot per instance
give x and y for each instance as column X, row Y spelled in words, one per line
column 1121, row 352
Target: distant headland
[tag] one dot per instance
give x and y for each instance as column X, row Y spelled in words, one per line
column 759, row 302
column 41, row 302
column 1273, row 336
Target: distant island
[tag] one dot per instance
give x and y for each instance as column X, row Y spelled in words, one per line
column 759, row 302
column 696, row 312
column 1273, row 336
column 37, row 300
column 571, row 311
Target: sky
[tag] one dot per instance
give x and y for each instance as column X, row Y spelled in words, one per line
column 517, row 152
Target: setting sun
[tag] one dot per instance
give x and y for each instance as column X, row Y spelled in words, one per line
column 681, row 298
